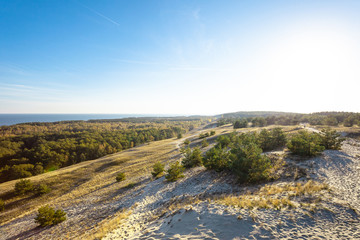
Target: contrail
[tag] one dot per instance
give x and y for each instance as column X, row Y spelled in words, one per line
column 101, row 15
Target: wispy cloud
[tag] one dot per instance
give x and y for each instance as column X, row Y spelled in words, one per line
column 30, row 92
column 201, row 69
column 13, row 69
column 101, row 15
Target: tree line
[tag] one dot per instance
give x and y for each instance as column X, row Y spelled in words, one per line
column 347, row 119
column 31, row 149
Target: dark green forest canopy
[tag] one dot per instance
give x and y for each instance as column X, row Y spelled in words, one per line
column 34, row 148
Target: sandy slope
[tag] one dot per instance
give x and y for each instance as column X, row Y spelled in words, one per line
column 331, row 219
column 181, row 210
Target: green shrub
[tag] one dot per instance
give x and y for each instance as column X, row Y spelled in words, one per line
column 179, row 136
column 270, row 140
column 2, row 205
column 240, row 123
column 187, row 142
column 192, row 158
column 212, row 133
column 158, row 170
column 217, row 159
column 48, row 216
column 120, row 177
column 331, row 139
column 42, row 189
column 223, row 141
column 204, row 135
column 39, row 169
column 204, row 143
column 305, row 143
column 247, row 162
column 23, row 186
column 174, row 172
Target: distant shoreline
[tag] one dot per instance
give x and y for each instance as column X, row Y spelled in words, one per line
column 16, row 118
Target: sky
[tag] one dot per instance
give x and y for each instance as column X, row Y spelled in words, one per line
column 179, row 57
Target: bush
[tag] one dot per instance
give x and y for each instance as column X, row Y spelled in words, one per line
column 187, row 142
column 204, row 135
column 120, row 177
column 42, row 189
column 2, row 205
column 331, row 139
column 174, row 172
column 179, row 136
column 23, row 186
column 223, row 141
column 217, row 159
column 192, row 158
column 247, row 162
column 204, row 143
column 48, row 216
column 212, row 133
column 270, row 140
column 240, row 123
column 305, row 143
column 158, row 170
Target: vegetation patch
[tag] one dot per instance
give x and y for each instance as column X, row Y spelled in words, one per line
column 48, row 216
column 174, row 172
column 120, row 177
column 276, row 197
column 109, row 224
column 158, row 170
column 23, row 186
column 2, row 205
column 192, row 158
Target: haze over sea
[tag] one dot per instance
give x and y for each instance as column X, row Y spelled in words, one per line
column 10, row 119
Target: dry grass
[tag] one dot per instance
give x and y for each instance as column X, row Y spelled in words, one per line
column 297, row 189
column 107, row 225
column 254, row 201
column 271, row 196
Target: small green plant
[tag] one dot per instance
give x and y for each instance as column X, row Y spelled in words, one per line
column 192, row 158
column 212, row 133
column 204, row 135
column 158, row 170
column 331, row 139
column 174, row 172
column 42, row 189
column 120, row 177
column 2, row 205
column 48, row 216
column 187, row 142
column 23, row 186
column 179, row 136
column 130, row 185
column 204, row 143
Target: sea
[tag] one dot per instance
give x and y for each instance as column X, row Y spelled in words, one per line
column 11, row 119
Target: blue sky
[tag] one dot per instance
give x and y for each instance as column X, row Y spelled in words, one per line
column 178, row 57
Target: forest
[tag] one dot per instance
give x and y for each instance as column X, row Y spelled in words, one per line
column 347, row 119
column 34, row 148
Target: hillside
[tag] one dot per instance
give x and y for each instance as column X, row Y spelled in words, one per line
column 310, row 197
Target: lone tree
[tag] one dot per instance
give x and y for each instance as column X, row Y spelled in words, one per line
column 120, row 177
column 174, row 172
column 158, row 170
column 192, row 158
column 23, row 186
column 48, row 216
